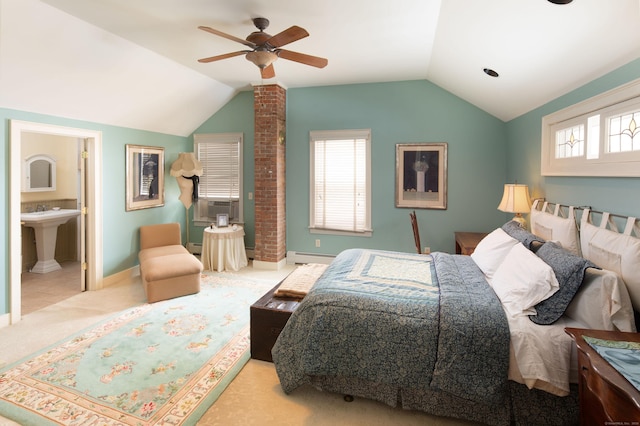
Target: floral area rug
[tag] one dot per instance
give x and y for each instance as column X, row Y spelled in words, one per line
column 155, row 364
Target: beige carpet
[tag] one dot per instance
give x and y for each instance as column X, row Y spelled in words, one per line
column 253, row 398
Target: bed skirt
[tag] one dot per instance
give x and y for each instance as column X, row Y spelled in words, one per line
column 523, row 407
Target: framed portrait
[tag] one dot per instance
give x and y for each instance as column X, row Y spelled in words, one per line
column 145, row 177
column 222, row 220
column 421, row 175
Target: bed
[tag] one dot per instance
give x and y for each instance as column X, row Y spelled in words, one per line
column 477, row 337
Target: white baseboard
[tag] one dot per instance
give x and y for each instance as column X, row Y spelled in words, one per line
column 5, row 320
column 269, row 266
column 122, row 275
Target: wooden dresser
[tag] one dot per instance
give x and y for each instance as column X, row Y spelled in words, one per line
column 606, row 396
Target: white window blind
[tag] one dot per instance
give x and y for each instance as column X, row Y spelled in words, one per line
column 221, row 158
column 340, row 181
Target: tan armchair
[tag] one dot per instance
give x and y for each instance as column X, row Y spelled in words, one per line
column 167, row 269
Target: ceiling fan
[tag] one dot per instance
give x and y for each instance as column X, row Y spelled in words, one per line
column 265, row 49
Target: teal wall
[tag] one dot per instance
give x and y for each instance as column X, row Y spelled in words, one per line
column 235, row 117
column 483, row 152
column 120, row 233
column 401, row 112
column 617, row 195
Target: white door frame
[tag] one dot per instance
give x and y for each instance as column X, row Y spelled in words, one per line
column 93, row 217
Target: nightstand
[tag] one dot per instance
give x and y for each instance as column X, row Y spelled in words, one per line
column 466, row 242
column 606, row 396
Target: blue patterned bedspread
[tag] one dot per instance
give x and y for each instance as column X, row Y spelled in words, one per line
column 402, row 319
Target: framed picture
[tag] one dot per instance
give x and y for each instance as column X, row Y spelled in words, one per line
column 145, row 177
column 421, row 175
column 222, row 220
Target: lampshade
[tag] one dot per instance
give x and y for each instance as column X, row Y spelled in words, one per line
column 515, row 199
column 186, row 165
column 261, row 58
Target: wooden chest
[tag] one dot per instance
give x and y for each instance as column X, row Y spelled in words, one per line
column 268, row 317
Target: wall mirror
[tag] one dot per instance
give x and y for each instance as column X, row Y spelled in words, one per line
column 39, row 174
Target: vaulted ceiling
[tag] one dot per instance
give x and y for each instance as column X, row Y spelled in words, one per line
column 134, row 63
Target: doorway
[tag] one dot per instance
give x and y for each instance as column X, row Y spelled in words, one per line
column 53, row 183
column 91, row 207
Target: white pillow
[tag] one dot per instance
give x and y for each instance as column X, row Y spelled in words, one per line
column 491, row 250
column 522, row 281
column 617, row 252
column 553, row 227
column 602, row 303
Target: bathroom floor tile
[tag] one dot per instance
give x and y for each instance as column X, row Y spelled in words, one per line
column 41, row 290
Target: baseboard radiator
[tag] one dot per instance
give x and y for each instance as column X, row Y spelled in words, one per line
column 250, row 252
column 293, row 257
column 196, row 248
column 299, row 257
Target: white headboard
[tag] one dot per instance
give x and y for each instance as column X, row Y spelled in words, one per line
column 611, row 241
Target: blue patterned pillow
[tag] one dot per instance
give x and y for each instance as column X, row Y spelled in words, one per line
column 569, row 270
column 516, row 231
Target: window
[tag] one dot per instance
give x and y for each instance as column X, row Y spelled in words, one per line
column 220, row 188
column 623, row 130
column 570, row 142
column 597, row 137
column 340, row 194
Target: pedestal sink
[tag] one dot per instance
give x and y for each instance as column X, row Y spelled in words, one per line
column 45, row 225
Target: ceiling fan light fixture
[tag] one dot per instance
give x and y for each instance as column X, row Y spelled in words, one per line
column 560, row 1
column 266, row 49
column 261, row 58
column 490, row 72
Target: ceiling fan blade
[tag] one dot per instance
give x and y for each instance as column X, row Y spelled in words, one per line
column 302, row 58
column 288, row 36
column 268, row 72
column 219, row 57
column 228, row 36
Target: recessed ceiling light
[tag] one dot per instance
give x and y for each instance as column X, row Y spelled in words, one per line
column 490, row 72
column 560, row 1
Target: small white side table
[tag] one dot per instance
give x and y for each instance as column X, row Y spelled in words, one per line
column 223, row 249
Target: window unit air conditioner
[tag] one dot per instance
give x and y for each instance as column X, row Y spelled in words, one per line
column 230, row 207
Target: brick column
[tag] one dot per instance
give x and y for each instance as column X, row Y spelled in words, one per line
column 269, row 151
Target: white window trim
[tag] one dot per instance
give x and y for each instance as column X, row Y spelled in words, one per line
column 201, row 219
column 615, row 165
column 340, row 134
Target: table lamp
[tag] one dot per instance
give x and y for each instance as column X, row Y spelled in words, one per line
column 515, row 199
